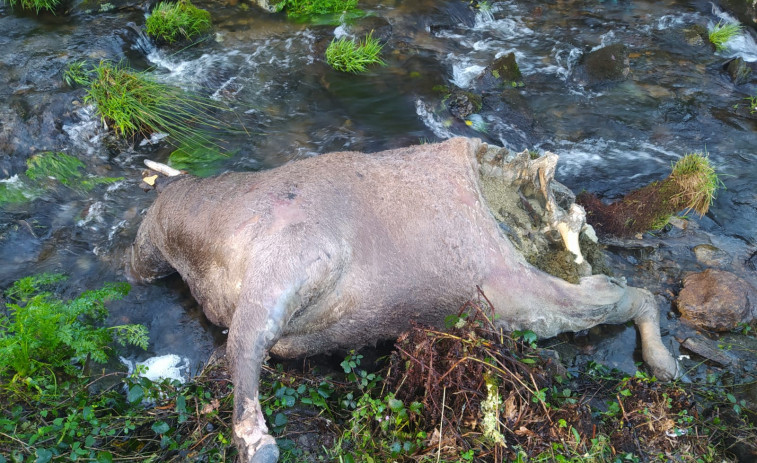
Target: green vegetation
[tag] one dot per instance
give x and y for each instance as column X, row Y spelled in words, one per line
column 197, row 159
column 697, row 181
column 305, row 10
column 752, row 104
column 43, row 171
column 36, row 5
column 691, row 185
column 43, row 335
column 348, row 56
column 134, row 103
column 722, row 33
column 173, row 21
column 470, row 393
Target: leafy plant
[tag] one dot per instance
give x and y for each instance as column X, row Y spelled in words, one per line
column 346, row 55
column 36, row 5
column 302, row 10
column 722, row 33
column 132, row 103
column 173, row 21
column 42, row 331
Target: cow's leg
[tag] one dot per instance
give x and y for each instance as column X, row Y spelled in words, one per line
column 270, row 297
column 549, row 306
column 254, row 329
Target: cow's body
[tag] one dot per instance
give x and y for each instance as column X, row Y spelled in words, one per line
column 344, row 249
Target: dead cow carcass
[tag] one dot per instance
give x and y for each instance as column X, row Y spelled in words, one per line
column 344, row 249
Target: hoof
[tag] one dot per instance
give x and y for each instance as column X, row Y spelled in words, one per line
column 268, row 453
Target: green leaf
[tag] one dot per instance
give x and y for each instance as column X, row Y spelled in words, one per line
column 136, row 393
column 161, row 427
column 280, row 420
column 104, row 457
column 43, row 456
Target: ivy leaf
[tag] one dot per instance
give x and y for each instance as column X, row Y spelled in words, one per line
column 135, row 394
column 160, row 427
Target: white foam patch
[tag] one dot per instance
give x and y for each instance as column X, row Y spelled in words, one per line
column 431, row 121
column 169, row 366
column 88, row 133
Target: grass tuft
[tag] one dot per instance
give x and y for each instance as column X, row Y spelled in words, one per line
column 171, row 22
column 722, row 33
column 697, row 181
column 36, row 5
column 132, row 103
column 304, row 10
column 346, row 55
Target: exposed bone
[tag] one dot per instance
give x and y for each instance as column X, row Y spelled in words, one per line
column 162, row 168
column 536, row 177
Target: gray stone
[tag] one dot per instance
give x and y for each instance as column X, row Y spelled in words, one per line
column 710, row 256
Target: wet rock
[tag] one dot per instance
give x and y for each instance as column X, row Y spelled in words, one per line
column 716, row 300
column 379, row 26
column 502, row 72
column 739, row 71
column 710, row 256
column 745, row 11
column 608, row 64
column 696, row 36
column 462, row 103
column 268, row 5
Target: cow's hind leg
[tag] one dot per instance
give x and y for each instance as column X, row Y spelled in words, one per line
column 267, row 302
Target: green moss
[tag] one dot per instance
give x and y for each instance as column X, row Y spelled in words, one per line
column 15, row 191
column 171, row 22
column 66, row 169
column 346, row 55
column 721, row 33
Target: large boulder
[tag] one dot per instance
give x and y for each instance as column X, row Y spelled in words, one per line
column 717, row 300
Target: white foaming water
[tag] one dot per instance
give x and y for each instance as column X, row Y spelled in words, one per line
column 169, row 366
column 88, row 133
column 431, row 121
column 463, row 72
column 596, row 153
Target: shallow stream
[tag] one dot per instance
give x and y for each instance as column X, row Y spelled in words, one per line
column 611, row 137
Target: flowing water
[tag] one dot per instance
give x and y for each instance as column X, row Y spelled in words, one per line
column 611, row 137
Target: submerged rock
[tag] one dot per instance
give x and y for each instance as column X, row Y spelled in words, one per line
column 607, row 64
column 502, row 72
column 739, row 70
column 716, row 300
column 462, row 103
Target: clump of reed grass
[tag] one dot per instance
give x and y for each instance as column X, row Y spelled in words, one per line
column 346, row 55
column 133, row 103
column 303, row 10
column 36, row 5
column 722, row 33
column 171, row 22
column 691, row 186
column 697, row 182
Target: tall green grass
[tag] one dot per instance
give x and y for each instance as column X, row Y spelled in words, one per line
column 721, row 33
column 346, row 55
column 171, row 22
column 132, row 102
column 36, row 5
column 304, row 10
